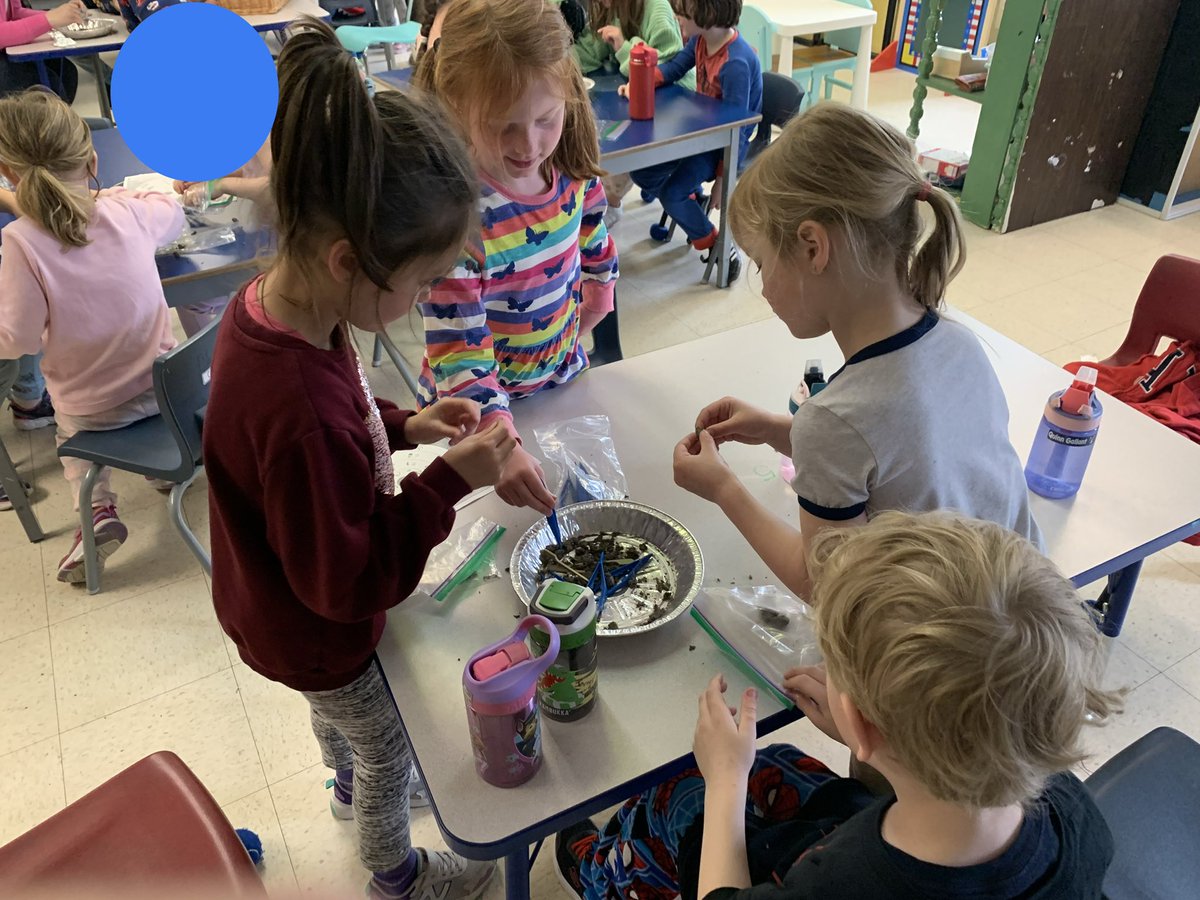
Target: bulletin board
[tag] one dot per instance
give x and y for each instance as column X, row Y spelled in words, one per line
column 960, row 18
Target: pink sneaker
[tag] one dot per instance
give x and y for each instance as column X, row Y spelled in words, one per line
column 110, row 534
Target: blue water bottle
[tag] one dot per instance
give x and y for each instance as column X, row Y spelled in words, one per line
column 1063, row 444
column 813, row 383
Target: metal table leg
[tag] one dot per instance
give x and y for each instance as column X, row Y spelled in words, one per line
column 398, row 360
column 1113, row 602
column 516, row 875
column 724, row 243
column 101, row 88
column 15, row 489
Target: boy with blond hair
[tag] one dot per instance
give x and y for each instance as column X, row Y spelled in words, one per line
column 959, row 664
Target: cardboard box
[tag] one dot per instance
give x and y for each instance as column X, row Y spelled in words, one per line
column 950, row 62
column 948, row 168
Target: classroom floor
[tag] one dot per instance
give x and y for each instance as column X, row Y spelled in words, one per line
column 88, row 685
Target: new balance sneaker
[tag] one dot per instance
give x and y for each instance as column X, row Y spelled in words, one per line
column 110, row 535
column 440, row 876
column 571, row 847
column 6, row 504
column 37, row 417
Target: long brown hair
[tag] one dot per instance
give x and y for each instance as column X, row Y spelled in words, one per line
column 489, row 53
column 389, row 173
column 47, row 145
column 628, row 12
column 852, row 171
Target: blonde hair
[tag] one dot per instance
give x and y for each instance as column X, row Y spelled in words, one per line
column 964, row 646
column 852, row 171
column 47, row 145
column 488, row 54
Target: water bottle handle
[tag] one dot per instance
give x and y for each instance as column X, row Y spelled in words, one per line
column 511, row 679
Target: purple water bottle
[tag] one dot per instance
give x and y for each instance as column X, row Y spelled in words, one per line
column 500, row 684
column 1063, row 444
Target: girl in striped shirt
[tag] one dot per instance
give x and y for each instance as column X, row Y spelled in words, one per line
column 508, row 320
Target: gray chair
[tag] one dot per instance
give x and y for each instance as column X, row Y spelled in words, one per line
column 13, row 484
column 166, row 446
column 1149, row 794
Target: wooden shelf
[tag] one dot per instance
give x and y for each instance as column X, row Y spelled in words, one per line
column 947, row 85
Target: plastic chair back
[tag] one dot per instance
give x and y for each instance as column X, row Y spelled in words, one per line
column 357, row 38
column 1149, row 794
column 847, row 38
column 1167, row 307
column 181, row 380
column 781, row 100
column 755, row 29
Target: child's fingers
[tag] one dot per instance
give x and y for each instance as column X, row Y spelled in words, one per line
column 749, row 716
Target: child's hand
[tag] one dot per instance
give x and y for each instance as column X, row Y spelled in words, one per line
column 731, row 419
column 699, row 466
column 480, row 458
column 623, row 91
column 450, row 417
column 714, row 199
column 724, row 747
column 524, row 484
column 612, row 36
column 70, row 13
column 807, row 689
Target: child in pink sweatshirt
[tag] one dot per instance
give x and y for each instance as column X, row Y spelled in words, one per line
column 78, row 281
column 19, row 25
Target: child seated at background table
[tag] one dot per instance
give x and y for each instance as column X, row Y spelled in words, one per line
column 615, row 28
column 727, row 69
column 916, row 419
column 18, row 26
column 78, row 280
column 507, row 322
column 959, row 664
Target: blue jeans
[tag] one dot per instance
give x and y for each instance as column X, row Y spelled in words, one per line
column 27, row 390
column 673, row 183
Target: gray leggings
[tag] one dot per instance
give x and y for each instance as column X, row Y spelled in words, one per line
column 358, row 727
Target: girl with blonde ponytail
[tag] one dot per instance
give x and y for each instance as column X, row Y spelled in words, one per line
column 831, row 213
column 78, row 281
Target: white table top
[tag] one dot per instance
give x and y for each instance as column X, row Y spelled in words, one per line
column 796, row 17
column 292, row 10
column 649, row 683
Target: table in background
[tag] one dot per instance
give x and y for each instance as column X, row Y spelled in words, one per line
column 685, row 123
column 797, row 18
column 641, row 729
column 43, row 49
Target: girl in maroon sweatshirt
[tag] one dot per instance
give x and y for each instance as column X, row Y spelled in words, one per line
column 310, row 545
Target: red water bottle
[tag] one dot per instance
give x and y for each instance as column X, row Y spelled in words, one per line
column 643, row 62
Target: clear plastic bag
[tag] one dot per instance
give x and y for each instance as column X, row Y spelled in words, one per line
column 585, row 460
column 465, row 554
column 195, row 240
column 768, row 627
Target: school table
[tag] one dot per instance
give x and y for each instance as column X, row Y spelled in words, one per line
column 43, row 49
column 685, row 123
column 641, row 728
column 795, row 18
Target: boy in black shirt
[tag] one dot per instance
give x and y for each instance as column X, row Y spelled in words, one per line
column 959, row 664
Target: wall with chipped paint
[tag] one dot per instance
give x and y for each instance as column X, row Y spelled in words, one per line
column 1098, row 75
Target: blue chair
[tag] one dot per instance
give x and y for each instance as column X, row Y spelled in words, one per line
column 756, row 30
column 357, row 38
column 843, row 46
column 1149, row 794
column 166, row 446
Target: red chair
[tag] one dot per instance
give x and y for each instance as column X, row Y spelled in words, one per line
column 152, row 827
column 1168, row 306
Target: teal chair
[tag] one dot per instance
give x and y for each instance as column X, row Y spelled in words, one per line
column 825, row 72
column 357, row 38
column 757, row 31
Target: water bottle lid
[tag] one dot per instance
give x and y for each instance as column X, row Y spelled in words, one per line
column 500, row 661
column 1077, row 399
column 561, row 601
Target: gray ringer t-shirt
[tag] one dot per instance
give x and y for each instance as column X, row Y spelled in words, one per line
column 916, row 422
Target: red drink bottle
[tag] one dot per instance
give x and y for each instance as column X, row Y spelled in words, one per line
column 643, row 61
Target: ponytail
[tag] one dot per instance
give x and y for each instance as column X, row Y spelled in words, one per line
column 47, row 145
column 386, row 173
column 943, row 253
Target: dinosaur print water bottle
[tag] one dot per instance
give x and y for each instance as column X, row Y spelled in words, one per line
column 567, row 690
column 499, row 684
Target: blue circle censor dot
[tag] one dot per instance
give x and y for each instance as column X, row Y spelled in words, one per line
column 194, row 92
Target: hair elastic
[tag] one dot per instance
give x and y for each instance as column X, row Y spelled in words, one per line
column 923, row 193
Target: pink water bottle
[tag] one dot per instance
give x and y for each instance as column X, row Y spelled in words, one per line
column 643, row 62
column 500, row 686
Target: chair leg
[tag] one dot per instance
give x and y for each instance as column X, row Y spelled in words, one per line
column 189, row 536
column 91, row 563
column 16, row 493
column 377, row 353
column 398, row 360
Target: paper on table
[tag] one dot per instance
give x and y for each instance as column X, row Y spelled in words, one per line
column 151, row 181
column 405, row 462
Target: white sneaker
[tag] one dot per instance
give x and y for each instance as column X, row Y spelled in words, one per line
column 443, row 876
column 613, row 216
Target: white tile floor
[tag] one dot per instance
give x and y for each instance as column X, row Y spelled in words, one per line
column 90, row 684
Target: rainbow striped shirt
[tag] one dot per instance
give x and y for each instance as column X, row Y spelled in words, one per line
column 505, row 322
